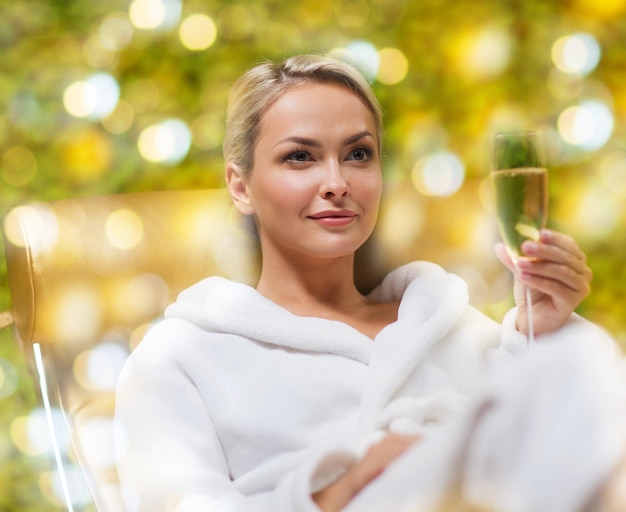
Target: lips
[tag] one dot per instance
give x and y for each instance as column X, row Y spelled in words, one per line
column 334, row 218
column 333, row 214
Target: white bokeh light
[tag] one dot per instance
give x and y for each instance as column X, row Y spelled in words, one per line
column 577, row 53
column 94, row 98
column 167, row 142
column 155, row 14
column 361, row 54
column 588, row 125
column 439, row 174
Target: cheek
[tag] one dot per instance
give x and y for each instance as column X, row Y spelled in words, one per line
column 371, row 189
column 282, row 193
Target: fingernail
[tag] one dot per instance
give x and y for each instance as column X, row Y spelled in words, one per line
column 529, row 247
column 545, row 234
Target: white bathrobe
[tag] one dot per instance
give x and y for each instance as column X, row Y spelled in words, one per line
column 232, row 403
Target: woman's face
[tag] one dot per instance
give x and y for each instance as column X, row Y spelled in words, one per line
column 316, row 182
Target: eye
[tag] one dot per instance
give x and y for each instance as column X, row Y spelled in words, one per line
column 298, row 156
column 360, row 154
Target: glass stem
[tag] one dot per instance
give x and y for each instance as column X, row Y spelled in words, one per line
column 529, row 315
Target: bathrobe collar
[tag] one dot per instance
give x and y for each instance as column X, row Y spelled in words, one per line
column 435, row 300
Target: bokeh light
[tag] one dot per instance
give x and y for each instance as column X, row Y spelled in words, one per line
column 394, row 66
column 484, row 53
column 94, row 97
column 588, row 125
column 146, row 296
column 42, row 226
column 155, row 14
column 69, row 490
column 439, row 174
column 31, row 434
column 577, row 53
column 167, row 142
column 99, row 368
column 116, row 31
column 361, row 54
column 198, row 32
column 78, row 313
column 124, row 229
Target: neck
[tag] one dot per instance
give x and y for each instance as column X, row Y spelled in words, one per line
column 310, row 287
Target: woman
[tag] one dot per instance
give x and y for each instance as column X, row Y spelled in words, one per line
column 304, row 394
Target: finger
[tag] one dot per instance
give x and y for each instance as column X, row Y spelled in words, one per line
column 555, row 254
column 504, row 257
column 562, row 241
column 578, row 279
column 564, row 298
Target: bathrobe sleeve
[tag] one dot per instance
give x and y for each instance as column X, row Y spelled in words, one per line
column 169, row 456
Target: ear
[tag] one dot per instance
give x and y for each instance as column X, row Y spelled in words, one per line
column 238, row 188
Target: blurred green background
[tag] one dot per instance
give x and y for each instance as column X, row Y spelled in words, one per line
column 117, row 96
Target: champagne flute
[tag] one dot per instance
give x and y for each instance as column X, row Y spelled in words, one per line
column 520, row 179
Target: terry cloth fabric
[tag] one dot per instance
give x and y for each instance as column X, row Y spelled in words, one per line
column 232, row 403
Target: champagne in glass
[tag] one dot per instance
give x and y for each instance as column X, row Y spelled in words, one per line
column 520, row 179
column 521, row 205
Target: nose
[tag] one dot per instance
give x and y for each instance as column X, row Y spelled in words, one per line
column 334, row 183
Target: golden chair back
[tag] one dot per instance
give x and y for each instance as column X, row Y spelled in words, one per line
column 86, row 277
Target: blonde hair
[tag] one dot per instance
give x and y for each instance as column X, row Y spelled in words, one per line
column 257, row 90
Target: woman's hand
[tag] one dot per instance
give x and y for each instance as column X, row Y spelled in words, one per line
column 557, row 275
column 338, row 494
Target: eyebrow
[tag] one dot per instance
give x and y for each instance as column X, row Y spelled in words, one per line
column 316, row 144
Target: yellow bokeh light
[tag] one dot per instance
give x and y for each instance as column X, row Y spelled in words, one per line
column 78, row 314
column 87, row 156
column 482, row 53
column 124, row 229
column 605, row 9
column 198, row 32
column 19, row 436
column 394, row 66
